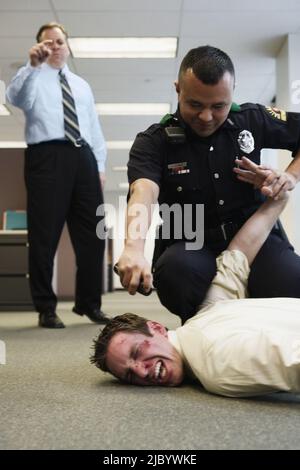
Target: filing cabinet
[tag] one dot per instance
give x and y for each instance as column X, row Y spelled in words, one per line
column 14, row 277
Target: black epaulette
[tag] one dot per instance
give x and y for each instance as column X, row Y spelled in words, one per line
column 247, row 106
column 152, row 129
column 174, row 132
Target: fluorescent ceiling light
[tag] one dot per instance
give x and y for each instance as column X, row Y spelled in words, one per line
column 119, row 144
column 133, row 109
column 106, row 48
column 123, row 185
column 4, row 111
column 119, row 168
column 12, row 145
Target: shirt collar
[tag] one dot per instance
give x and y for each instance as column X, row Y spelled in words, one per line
column 172, row 337
column 229, row 123
column 65, row 69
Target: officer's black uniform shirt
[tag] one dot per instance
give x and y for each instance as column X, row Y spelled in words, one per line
column 200, row 170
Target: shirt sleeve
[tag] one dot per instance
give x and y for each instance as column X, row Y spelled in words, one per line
column 98, row 142
column 281, row 129
column 146, row 158
column 21, row 91
column 231, row 279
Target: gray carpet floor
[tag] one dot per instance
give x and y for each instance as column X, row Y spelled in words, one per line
column 51, row 397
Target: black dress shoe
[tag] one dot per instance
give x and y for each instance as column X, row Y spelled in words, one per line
column 96, row 316
column 50, row 320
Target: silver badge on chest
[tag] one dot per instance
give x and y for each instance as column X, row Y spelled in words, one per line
column 246, row 141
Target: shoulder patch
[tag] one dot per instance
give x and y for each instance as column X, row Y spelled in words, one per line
column 276, row 113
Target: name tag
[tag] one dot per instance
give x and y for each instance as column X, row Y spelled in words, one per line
column 178, row 168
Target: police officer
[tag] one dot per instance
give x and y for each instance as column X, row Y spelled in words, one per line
column 189, row 158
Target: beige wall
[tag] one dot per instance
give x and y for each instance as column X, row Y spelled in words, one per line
column 287, row 71
column 12, row 187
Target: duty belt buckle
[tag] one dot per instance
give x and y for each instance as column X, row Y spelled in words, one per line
column 224, row 231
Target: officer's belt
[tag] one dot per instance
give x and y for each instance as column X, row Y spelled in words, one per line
column 223, row 232
column 227, row 230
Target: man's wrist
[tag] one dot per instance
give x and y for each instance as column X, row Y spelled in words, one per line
column 31, row 67
column 295, row 176
column 137, row 245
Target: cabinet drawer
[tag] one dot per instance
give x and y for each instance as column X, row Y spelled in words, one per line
column 14, row 289
column 13, row 259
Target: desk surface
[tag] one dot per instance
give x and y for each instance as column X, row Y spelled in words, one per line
column 13, row 232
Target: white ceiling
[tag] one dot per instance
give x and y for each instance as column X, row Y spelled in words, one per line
column 252, row 33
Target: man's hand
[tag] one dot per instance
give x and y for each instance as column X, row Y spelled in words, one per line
column 270, row 182
column 40, row 52
column 279, row 185
column 134, row 269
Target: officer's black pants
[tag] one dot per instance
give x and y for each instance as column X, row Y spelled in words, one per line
column 182, row 277
column 63, row 184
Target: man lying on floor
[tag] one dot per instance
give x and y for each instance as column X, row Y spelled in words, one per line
column 234, row 346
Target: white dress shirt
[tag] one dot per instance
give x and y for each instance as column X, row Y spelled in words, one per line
column 242, row 347
column 37, row 91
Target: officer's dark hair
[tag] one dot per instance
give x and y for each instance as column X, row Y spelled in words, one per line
column 208, row 64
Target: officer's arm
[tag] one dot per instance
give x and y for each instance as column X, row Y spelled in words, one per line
column 284, row 181
column 293, row 169
column 143, row 197
column 256, row 229
column 132, row 265
column 272, row 183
